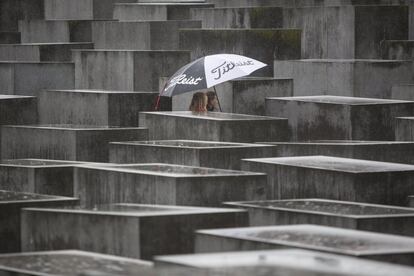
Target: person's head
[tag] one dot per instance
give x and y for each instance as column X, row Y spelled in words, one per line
column 199, row 102
column 212, row 103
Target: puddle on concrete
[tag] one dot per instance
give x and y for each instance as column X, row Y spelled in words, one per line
column 71, row 264
column 25, row 162
column 190, row 144
column 332, row 207
column 15, row 196
column 180, row 170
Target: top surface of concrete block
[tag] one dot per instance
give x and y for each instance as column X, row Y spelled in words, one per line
column 328, row 99
column 15, row 197
column 165, row 3
column 71, row 127
column 13, row 97
column 328, row 207
column 216, row 116
column 351, row 61
column 348, row 165
column 38, row 163
column 71, row 262
column 139, row 210
column 332, row 239
column 196, row 144
column 341, row 142
column 170, row 170
column 295, row 259
column 96, row 91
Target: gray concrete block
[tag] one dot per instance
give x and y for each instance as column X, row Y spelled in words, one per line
column 339, row 118
column 75, row 262
column 188, row 152
column 403, row 92
column 156, row 183
column 130, row 230
column 28, row 78
column 80, row 9
column 94, row 107
column 140, row 35
column 41, row 176
column 38, row 52
column 295, row 262
column 64, row 142
column 156, row 11
column 355, row 243
column 11, row 11
column 244, row 95
column 355, row 78
column 335, row 178
column 125, row 70
column 11, row 204
column 9, row 37
column 303, row 3
column 327, row 32
column 404, row 129
column 214, row 126
column 387, row 151
column 397, row 49
column 18, row 110
column 55, row 31
column 264, row 45
column 344, row 214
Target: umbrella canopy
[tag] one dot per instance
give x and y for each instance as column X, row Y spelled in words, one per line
column 208, row 71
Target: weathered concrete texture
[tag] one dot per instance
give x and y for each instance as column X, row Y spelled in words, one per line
column 155, row 183
column 411, row 201
column 188, row 152
column 355, row 78
column 235, row 17
column 214, row 126
column 142, row 35
column 387, row 151
column 303, row 3
column 355, row 243
column 18, row 110
column 13, row 10
column 131, row 230
column 80, row 9
column 10, row 205
column 41, row 176
column 265, row 45
column 71, row 262
column 125, row 70
column 327, row 32
column 41, row 52
column 397, row 49
column 28, row 78
column 243, row 96
column 295, row 262
column 94, row 107
column 335, row 178
column 156, row 11
column 335, row 117
column 9, row 37
column 64, row 142
column 404, row 129
column 344, row 214
column 55, row 31
column 403, row 92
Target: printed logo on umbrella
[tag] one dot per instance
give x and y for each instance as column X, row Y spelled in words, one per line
column 227, row 66
column 183, row 79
